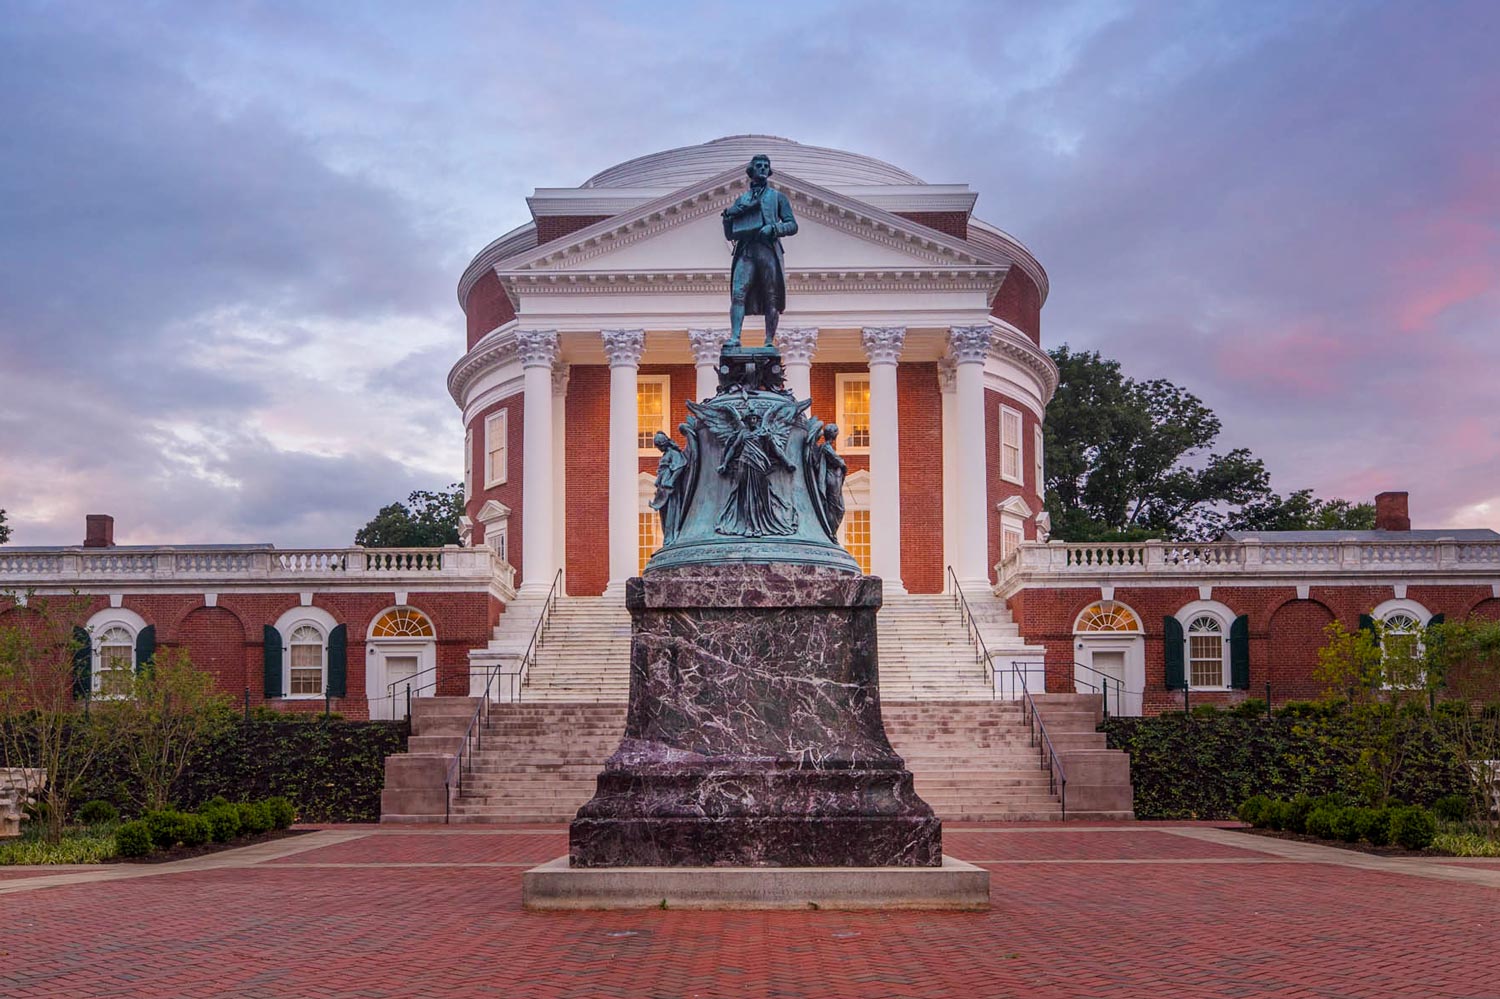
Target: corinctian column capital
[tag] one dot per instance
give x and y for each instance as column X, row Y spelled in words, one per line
column 969, row 344
column 883, row 343
column 623, row 347
column 536, row 348
column 797, row 343
column 706, row 345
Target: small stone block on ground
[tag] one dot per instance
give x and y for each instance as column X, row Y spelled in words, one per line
column 954, row 885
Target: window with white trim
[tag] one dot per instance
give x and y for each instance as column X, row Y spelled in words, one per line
column 653, row 394
column 856, row 537
column 1038, row 448
column 114, row 662
column 497, row 448
column 1012, row 533
column 852, row 412
column 648, row 536
column 1402, row 648
column 1010, row 445
column 468, row 463
column 307, row 661
column 1207, row 652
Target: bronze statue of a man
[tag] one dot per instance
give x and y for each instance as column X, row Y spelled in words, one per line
column 756, row 221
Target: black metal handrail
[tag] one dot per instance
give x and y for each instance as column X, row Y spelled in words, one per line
column 536, row 633
column 981, row 652
column 390, row 689
column 1103, row 686
column 473, row 737
column 1057, row 777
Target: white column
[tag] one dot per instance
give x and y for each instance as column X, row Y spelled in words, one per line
column 970, row 346
column 537, row 349
column 798, row 344
column 623, row 348
column 559, row 466
column 947, row 383
column 883, row 347
column 706, row 345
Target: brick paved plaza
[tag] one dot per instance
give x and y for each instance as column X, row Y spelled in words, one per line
column 1144, row 910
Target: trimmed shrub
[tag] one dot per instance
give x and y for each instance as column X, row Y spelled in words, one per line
column 283, row 813
column 1347, row 823
column 133, row 839
column 1279, row 815
column 223, row 821
column 1413, row 827
column 255, row 817
column 1253, row 810
column 194, row 830
column 166, row 827
column 96, row 812
column 1320, row 822
column 1453, row 807
column 1375, row 826
column 1297, row 811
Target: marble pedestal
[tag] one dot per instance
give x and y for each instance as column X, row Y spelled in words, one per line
column 754, row 736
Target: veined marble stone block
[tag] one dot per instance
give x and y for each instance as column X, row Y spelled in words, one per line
column 754, row 735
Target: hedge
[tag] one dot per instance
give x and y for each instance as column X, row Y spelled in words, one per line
column 331, row 770
column 1205, row 766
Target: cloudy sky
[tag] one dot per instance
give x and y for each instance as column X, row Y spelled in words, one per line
column 230, row 232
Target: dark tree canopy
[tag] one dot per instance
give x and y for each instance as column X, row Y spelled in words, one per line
column 4, row 530
column 1129, row 460
column 426, row 520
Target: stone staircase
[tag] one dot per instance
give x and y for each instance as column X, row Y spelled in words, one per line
column 584, row 654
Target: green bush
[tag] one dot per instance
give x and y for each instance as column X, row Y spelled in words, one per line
column 1413, row 827
column 97, row 812
column 255, row 818
column 1297, row 810
column 134, row 839
column 1253, row 810
column 1253, row 708
column 194, row 830
column 1453, row 807
column 1280, row 815
column 1347, row 823
column 283, row 813
column 223, row 821
column 166, row 826
column 1375, row 826
column 1320, row 822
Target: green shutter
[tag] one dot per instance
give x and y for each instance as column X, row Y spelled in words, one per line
column 83, row 664
column 272, row 639
column 338, row 660
column 1171, row 632
column 145, row 649
column 1239, row 653
column 1367, row 623
column 1436, row 620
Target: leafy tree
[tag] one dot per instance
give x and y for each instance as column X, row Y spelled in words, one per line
column 426, row 520
column 1128, row 460
column 4, row 530
column 1464, row 659
column 173, row 709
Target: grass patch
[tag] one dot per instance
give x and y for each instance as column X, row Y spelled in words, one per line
column 1464, row 839
column 79, row 845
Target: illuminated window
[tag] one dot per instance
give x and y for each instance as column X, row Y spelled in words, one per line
column 649, row 537
column 1106, row 615
column 652, row 395
column 307, row 659
column 1208, row 665
column 402, row 622
column 116, row 665
column 496, row 448
column 852, row 412
column 856, row 531
column 1010, row 445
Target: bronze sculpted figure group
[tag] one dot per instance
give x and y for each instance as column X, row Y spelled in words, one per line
column 755, row 435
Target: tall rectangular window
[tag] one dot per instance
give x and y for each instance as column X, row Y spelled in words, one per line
column 1010, row 445
column 652, row 403
column 1038, row 445
column 496, row 448
column 1012, row 533
column 856, row 530
column 649, row 536
column 468, row 463
column 852, row 412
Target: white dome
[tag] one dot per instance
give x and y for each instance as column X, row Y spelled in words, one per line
column 674, row 168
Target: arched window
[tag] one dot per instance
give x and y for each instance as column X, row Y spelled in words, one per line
column 1105, row 616
column 1208, row 659
column 307, row 661
column 1402, row 623
column 402, row 622
column 117, row 642
column 114, row 662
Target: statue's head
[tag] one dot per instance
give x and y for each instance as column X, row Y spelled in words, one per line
column 759, row 168
column 662, row 441
column 831, row 432
column 752, row 419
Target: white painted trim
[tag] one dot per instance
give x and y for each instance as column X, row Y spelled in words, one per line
column 1018, row 477
column 210, row 600
column 1015, row 506
column 1225, row 616
column 375, row 619
column 468, row 463
column 1140, row 621
column 1387, row 608
column 321, row 621
column 114, row 616
column 840, row 379
column 499, row 418
column 1038, row 471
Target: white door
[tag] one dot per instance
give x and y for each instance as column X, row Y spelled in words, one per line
column 1109, row 673
column 399, row 670
column 390, row 668
column 1115, row 662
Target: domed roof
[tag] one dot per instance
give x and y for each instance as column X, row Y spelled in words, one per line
column 674, row 168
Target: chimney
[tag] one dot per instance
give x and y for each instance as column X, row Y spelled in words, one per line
column 100, row 532
column 1390, row 512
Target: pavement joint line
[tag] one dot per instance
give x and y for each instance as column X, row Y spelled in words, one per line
column 1419, row 867
column 1142, row 860
column 301, row 864
column 244, row 856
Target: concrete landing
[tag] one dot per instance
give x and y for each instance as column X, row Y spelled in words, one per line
column 954, row 885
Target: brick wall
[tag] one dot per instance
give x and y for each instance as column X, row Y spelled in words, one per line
column 550, row 227
column 1019, row 302
column 998, row 489
column 586, row 454
column 952, row 223
column 487, row 307
column 920, row 404
column 509, row 492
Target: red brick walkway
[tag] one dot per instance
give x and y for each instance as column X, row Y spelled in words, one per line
column 1148, row 911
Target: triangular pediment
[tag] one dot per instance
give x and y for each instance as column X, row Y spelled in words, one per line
column 682, row 233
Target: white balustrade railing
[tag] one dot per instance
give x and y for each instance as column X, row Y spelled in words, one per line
column 1063, row 560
